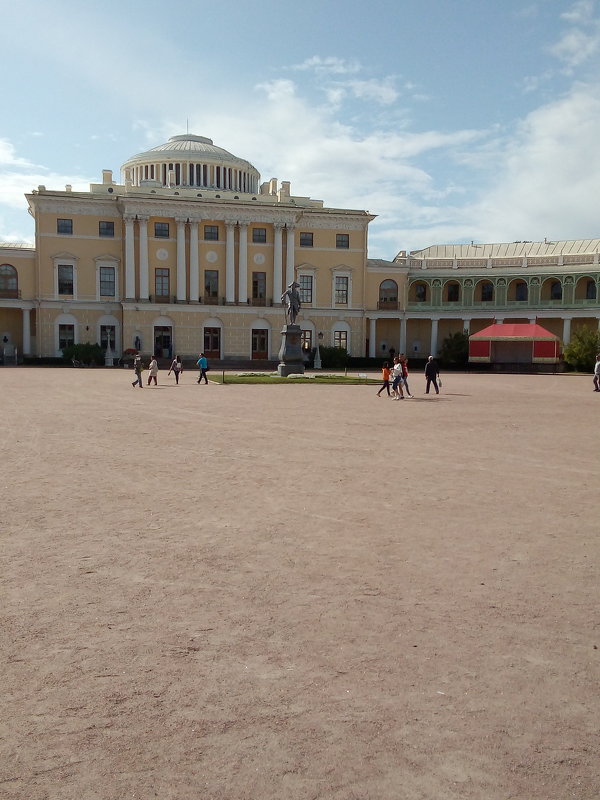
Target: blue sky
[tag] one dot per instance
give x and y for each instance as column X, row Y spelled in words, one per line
column 451, row 120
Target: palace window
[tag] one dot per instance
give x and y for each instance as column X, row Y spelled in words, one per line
column 590, row 290
column 521, row 291
column 556, row 290
column 211, row 283
column 340, row 339
column 9, row 281
column 107, row 282
column 108, row 335
column 259, row 287
column 259, row 235
column 487, row 292
column 106, row 229
column 306, row 239
column 341, row 290
column 342, row 240
column 161, row 283
column 64, row 226
column 388, row 294
column 306, row 340
column 420, row 292
column 211, row 233
column 65, row 279
column 452, row 292
column 66, row 336
column 161, row 230
column 306, row 289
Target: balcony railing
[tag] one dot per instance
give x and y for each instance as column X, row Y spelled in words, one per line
column 387, row 305
column 12, row 294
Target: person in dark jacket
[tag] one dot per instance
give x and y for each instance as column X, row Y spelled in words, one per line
column 432, row 372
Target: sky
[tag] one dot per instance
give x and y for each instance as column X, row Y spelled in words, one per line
column 450, row 120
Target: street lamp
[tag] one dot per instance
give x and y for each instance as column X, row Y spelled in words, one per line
column 317, row 363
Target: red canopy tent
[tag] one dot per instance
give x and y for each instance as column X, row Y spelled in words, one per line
column 506, row 343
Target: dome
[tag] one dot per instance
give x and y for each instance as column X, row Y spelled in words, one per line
column 193, row 162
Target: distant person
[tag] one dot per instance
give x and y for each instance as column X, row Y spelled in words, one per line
column 597, row 373
column 385, row 374
column 153, row 371
column 202, row 366
column 176, row 368
column 432, row 372
column 398, row 394
column 404, row 362
column 137, row 368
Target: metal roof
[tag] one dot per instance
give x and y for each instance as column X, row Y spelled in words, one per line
column 186, row 147
column 509, row 249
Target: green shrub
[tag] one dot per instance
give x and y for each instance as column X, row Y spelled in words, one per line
column 454, row 351
column 86, row 353
column 581, row 351
column 333, row 357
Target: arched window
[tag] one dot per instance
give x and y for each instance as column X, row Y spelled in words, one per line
column 556, row 290
column 418, row 292
column 486, row 291
column 452, row 292
column 9, row 281
column 388, row 294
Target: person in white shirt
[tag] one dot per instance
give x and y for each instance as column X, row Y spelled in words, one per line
column 597, row 373
column 397, row 374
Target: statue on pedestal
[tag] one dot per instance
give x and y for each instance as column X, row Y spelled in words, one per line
column 291, row 299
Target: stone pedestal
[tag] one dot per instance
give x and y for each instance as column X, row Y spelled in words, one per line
column 291, row 361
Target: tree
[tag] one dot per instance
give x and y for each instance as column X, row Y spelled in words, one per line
column 454, row 351
column 581, row 351
column 86, row 353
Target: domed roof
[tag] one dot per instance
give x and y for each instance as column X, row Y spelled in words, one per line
column 189, row 147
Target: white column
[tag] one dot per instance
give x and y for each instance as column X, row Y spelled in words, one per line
column 467, row 326
column 403, row 335
column 277, row 263
column 181, row 276
column 129, row 258
column 434, row 336
column 289, row 256
column 194, row 265
column 26, row 332
column 243, row 263
column 144, row 294
column 372, row 335
column 230, row 264
column 566, row 337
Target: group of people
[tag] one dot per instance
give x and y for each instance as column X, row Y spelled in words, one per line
column 398, row 374
column 176, row 368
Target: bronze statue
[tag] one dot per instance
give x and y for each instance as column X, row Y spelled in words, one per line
column 291, row 299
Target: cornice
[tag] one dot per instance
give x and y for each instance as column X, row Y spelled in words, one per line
column 75, row 205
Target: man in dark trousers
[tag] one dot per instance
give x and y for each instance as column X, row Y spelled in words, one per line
column 432, row 372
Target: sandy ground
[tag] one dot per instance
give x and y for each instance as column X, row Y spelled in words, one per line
column 299, row 592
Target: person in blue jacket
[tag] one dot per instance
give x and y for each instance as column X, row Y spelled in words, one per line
column 202, row 366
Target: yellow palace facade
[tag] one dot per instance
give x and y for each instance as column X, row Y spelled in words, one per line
column 191, row 252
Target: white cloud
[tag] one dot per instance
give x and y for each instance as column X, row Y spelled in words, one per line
column 381, row 91
column 329, row 64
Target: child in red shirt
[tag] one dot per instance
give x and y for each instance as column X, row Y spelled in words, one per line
column 385, row 374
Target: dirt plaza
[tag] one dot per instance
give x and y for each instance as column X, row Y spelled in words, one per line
column 299, row 592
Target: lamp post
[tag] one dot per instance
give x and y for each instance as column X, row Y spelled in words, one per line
column 317, row 364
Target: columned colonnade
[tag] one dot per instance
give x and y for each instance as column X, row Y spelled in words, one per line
column 402, row 343
column 182, row 266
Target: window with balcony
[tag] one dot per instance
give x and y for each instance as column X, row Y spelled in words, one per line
column 342, row 241
column 341, row 290
column 306, row 239
column 65, row 279
column 306, row 289
column 161, row 283
column 259, row 235
column 106, row 229
column 9, row 281
column 211, row 286
column 388, row 295
column 64, row 226
column 211, row 233
column 161, row 230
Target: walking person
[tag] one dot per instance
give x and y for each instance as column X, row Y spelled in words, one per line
column 202, row 366
column 176, row 367
column 385, row 374
column 432, row 373
column 137, row 368
column 597, row 373
column 404, row 362
column 398, row 394
column 153, row 373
